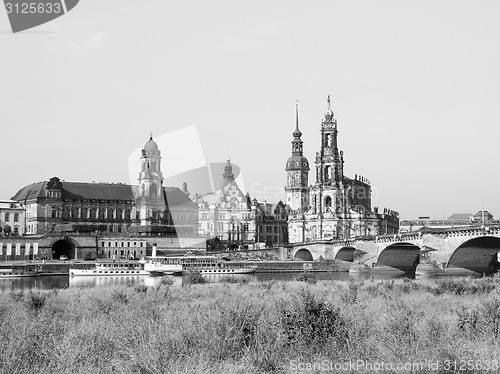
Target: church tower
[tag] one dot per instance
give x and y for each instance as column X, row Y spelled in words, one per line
column 329, row 161
column 228, row 172
column 297, row 170
column 151, row 203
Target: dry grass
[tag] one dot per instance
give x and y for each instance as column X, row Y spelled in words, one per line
column 248, row 328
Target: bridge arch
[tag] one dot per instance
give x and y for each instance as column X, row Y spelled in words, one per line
column 303, row 254
column 403, row 256
column 477, row 254
column 65, row 246
column 345, row 254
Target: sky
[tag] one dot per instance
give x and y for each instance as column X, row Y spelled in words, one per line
column 415, row 88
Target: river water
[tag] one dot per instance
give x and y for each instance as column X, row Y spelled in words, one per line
column 64, row 281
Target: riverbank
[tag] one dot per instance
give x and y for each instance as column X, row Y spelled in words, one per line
column 262, row 327
column 55, row 267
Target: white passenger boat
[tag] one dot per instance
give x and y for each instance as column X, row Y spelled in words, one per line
column 163, row 266
column 201, row 264
column 214, row 265
column 19, row 272
column 111, row 269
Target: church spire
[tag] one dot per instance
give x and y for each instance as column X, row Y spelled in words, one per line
column 297, row 116
column 297, row 141
column 329, row 111
column 297, row 169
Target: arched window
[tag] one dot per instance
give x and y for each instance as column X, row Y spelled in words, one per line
column 328, row 201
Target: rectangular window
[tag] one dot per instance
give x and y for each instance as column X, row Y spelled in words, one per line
column 7, row 217
column 16, row 217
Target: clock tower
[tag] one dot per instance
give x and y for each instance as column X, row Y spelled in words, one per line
column 297, row 170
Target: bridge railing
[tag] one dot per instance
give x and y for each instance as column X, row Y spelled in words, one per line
column 458, row 231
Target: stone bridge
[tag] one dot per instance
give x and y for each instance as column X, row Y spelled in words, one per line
column 476, row 249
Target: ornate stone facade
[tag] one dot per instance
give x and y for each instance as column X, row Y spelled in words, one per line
column 227, row 214
column 335, row 207
column 148, row 208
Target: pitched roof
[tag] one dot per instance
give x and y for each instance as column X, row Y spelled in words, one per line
column 175, row 196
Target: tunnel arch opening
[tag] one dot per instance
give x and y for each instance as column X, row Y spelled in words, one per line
column 63, row 247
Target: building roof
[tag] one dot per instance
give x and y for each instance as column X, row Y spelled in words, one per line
column 79, row 191
column 461, row 216
column 31, row 191
column 175, row 196
column 97, row 191
column 487, row 215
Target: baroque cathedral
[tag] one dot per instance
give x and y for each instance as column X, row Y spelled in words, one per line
column 335, row 206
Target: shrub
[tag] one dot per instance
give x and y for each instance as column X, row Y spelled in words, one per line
column 166, row 281
column 120, row 296
column 141, row 288
column 311, row 321
column 463, row 286
column 194, row 277
column 36, row 301
column 229, row 280
column 306, row 277
column 351, row 295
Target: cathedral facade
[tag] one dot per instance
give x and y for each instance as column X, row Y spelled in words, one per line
column 335, row 206
column 56, row 206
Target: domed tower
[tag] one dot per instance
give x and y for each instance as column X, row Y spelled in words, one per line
column 297, row 169
column 150, row 196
